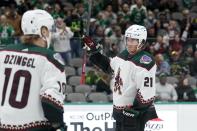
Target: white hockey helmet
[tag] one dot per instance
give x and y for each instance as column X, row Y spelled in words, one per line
column 33, row 20
column 137, row 32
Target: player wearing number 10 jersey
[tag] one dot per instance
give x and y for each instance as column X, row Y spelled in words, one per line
column 32, row 79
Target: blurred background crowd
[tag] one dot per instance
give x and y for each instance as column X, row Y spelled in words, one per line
column 172, row 39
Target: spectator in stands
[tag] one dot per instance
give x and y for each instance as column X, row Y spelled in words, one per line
column 176, row 44
column 97, row 6
column 13, row 19
column 138, row 13
column 164, row 90
column 83, row 14
column 173, row 29
column 160, row 46
column 81, row 10
column 123, row 16
column 76, row 25
column 6, row 31
column 150, row 21
column 178, row 64
column 7, row 2
column 124, row 12
column 194, row 27
column 57, row 12
column 162, row 65
column 151, row 33
column 172, row 5
column 23, row 6
column 117, row 38
column 61, row 40
column 184, row 91
column 188, row 54
column 114, row 3
column 101, row 19
column 110, row 15
column 92, row 28
column 187, row 3
column 162, row 23
column 48, row 8
column 192, row 65
column 186, row 22
column 186, row 32
column 74, row 2
column 107, row 41
column 153, row 4
column 38, row 4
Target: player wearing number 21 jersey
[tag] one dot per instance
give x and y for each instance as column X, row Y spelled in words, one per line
column 133, row 79
column 32, row 80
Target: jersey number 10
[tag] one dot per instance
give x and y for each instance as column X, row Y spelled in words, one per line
column 14, row 87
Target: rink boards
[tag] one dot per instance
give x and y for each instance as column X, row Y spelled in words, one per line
column 98, row 117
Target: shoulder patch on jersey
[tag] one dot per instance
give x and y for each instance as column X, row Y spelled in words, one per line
column 145, row 59
column 59, row 58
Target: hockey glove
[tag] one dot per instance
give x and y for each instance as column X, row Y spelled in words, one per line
column 131, row 112
column 90, row 45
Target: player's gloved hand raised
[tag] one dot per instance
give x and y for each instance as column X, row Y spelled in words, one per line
column 90, row 45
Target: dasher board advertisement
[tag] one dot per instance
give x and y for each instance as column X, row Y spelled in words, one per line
column 99, row 118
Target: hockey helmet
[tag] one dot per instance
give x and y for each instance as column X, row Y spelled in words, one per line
column 33, row 20
column 137, row 32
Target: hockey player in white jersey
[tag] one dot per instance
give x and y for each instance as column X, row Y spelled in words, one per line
column 133, row 79
column 32, row 79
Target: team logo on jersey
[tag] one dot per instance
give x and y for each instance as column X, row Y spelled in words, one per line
column 145, row 59
column 58, row 57
column 118, row 82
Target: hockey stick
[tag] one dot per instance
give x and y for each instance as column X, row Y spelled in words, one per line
column 82, row 81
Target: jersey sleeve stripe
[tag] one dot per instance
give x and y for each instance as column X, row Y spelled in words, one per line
column 29, row 126
column 52, row 101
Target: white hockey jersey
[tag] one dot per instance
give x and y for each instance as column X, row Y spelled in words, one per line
column 134, row 77
column 27, row 74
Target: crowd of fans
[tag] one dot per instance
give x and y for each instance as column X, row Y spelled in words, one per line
column 171, row 26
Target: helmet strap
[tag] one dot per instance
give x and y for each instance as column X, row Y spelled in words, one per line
column 141, row 45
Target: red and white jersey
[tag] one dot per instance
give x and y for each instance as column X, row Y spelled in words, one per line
column 27, row 74
column 133, row 76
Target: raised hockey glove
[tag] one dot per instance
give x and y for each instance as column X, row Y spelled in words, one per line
column 90, row 45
